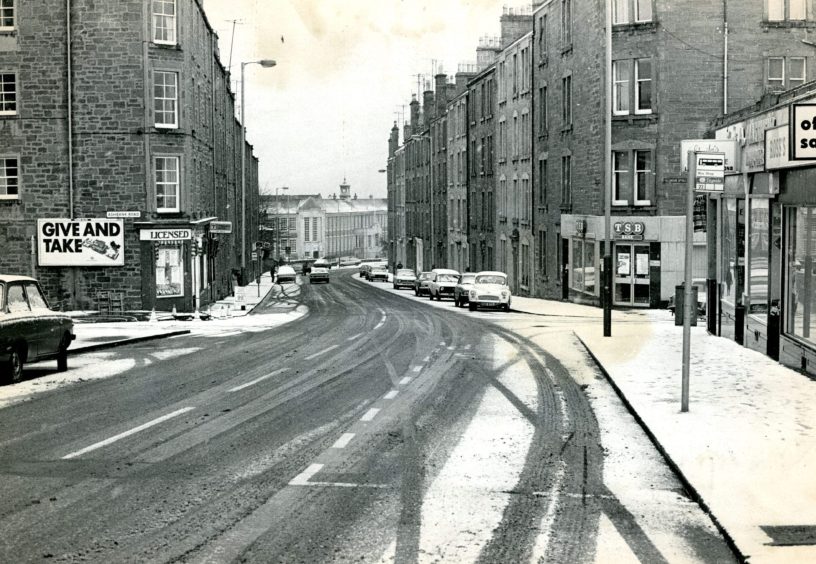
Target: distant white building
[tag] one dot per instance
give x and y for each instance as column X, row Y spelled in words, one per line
column 341, row 226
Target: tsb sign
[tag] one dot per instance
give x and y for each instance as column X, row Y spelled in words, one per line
column 803, row 132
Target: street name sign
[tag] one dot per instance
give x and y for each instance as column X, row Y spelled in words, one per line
column 123, row 214
column 220, row 227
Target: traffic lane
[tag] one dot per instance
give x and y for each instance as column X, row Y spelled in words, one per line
column 114, row 462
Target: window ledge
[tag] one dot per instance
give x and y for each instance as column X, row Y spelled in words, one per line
column 8, row 32
column 766, row 25
column 10, row 199
column 169, row 46
column 631, row 119
column 634, row 27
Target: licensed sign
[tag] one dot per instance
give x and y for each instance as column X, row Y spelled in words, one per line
column 220, row 227
column 172, row 234
column 710, row 173
column 80, row 242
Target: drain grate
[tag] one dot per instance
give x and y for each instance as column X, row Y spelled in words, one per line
column 791, row 535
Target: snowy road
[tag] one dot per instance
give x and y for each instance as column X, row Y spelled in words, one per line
column 373, row 428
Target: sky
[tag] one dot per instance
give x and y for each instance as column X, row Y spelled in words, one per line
column 345, row 69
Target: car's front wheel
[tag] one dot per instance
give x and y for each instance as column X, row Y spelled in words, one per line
column 472, row 306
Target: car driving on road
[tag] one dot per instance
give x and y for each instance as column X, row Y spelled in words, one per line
column 286, row 275
column 490, row 289
column 378, row 272
column 404, row 278
column 442, row 283
column 460, row 292
column 421, row 283
column 29, row 330
column 319, row 274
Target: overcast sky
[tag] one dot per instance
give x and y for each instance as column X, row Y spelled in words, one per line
column 344, row 69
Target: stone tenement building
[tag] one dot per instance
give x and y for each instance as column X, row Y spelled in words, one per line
column 120, row 154
column 676, row 65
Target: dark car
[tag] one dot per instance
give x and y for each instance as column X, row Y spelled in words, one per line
column 404, row 277
column 421, row 284
column 29, row 330
column 463, row 287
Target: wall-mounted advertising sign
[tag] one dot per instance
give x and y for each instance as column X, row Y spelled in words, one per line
column 80, row 242
column 629, row 230
column 777, row 149
column 165, row 234
column 803, row 132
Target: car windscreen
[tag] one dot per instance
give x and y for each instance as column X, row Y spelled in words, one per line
column 425, row 276
column 467, row 279
column 405, row 272
column 490, row 279
column 447, row 278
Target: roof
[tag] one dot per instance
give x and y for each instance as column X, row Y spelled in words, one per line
column 491, row 272
column 445, row 271
column 16, row 278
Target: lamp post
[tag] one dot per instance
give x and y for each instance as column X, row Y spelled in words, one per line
column 266, row 63
column 278, row 219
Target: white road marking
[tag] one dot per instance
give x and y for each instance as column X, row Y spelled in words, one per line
column 467, row 347
column 340, row 485
column 324, row 351
column 392, row 394
column 302, row 479
column 416, row 368
column 426, row 359
column 128, row 433
column 343, row 441
column 358, row 335
column 370, row 414
column 451, row 348
column 404, row 380
column 382, row 321
column 256, row 380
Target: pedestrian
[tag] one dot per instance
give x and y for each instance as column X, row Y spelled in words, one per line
column 399, row 265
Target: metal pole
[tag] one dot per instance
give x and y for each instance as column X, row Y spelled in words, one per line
column 607, row 260
column 689, row 309
column 243, row 177
column 277, row 224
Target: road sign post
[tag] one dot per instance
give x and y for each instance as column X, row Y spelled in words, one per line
column 706, row 173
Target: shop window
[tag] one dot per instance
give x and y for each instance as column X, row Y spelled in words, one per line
column 165, row 99
column 800, row 297
column 784, row 73
column 583, row 266
column 7, row 15
column 733, row 251
column 169, row 272
column 167, row 184
column 9, row 178
column 8, row 94
column 758, row 256
column 164, row 22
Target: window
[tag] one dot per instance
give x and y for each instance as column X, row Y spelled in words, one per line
column 566, row 23
column 6, row 15
column 8, row 94
column 315, row 228
column 566, row 180
column 515, row 74
column 525, row 265
column 16, row 301
column 169, row 272
column 516, row 137
column 786, row 10
column 641, row 9
column 566, row 101
column 628, row 187
column 622, row 95
column 643, row 86
column 542, row 182
column 542, row 38
column 167, row 184
column 9, row 178
column 620, row 87
column 542, row 111
column 542, row 252
column 785, row 73
column 165, row 99
column 306, row 221
column 35, row 298
column 164, row 22
column 502, row 140
column 527, row 196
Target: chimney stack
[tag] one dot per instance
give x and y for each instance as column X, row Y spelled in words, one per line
column 428, row 113
column 414, row 115
column 393, row 141
column 442, row 97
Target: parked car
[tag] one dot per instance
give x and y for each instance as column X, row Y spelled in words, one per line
column 350, row 262
column 490, row 289
column 29, row 330
column 421, row 284
column 404, row 278
column 364, row 268
column 319, row 274
column 442, row 283
column 377, row 272
column 286, row 275
column 463, row 286
column 321, row 263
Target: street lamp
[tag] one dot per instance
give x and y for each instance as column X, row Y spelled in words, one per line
column 266, row 63
column 277, row 203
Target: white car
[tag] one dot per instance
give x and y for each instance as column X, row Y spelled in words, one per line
column 404, row 277
column 490, row 289
column 286, row 275
column 443, row 282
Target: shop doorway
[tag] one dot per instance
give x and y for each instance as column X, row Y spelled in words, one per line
column 631, row 275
